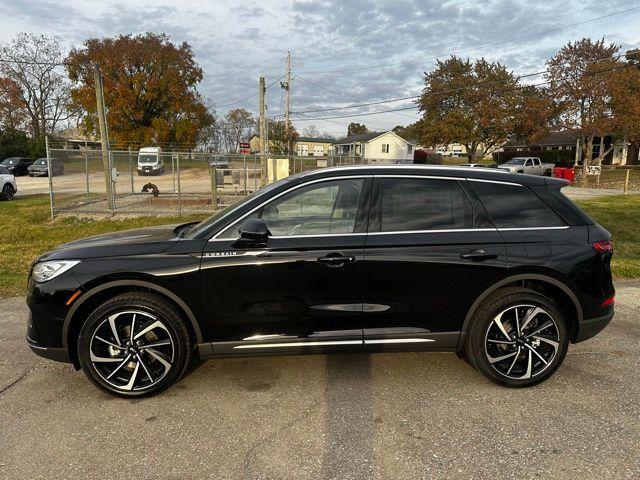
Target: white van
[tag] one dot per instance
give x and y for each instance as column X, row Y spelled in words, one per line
column 150, row 161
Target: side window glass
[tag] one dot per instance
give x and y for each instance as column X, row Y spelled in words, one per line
column 512, row 206
column 423, row 204
column 319, row 209
column 527, row 163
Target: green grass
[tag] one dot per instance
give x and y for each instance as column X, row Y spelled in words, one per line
column 620, row 214
column 28, row 232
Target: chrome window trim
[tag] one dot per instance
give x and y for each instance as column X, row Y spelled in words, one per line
column 515, row 229
column 295, row 187
column 442, row 230
column 496, row 181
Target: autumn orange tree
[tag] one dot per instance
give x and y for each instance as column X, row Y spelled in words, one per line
column 625, row 101
column 474, row 104
column 149, row 88
column 579, row 77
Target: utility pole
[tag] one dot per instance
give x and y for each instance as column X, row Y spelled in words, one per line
column 263, row 130
column 104, row 134
column 287, row 89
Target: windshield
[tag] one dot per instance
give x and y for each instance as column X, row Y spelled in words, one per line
column 516, row 161
column 10, row 161
column 205, row 224
column 147, row 158
column 41, row 161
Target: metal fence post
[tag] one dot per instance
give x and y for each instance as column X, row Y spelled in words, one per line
column 179, row 190
column 131, row 170
column 626, row 182
column 255, row 174
column 86, row 171
column 173, row 174
column 244, row 166
column 46, row 145
column 214, row 186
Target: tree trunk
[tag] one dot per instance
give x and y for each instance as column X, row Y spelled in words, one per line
column 588, row 154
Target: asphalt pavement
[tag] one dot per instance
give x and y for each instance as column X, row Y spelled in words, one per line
column 390, row 415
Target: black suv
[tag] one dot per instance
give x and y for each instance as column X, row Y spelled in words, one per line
column 501, row 268
column 17, row 165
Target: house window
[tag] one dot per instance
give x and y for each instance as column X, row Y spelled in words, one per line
column 318, row 151
column 409, row 149
column 385, row 148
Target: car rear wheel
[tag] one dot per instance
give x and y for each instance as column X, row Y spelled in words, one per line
column 517, row 338
column 134, row 345
column 8, row 192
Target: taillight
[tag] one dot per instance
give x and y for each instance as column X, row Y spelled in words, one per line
column 603, row 246
column 608, row 301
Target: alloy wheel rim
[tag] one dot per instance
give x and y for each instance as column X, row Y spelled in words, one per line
column 522, row 342
column 132, row 350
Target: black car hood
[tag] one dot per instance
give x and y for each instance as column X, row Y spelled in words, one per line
column 140, row 241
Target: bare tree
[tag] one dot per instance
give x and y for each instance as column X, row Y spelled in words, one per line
column 239, row 124
column 33, row 63
column 310, row 131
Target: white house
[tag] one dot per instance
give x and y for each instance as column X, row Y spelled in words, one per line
column 376, row 146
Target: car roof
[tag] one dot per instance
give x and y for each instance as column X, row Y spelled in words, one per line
column 455, row 171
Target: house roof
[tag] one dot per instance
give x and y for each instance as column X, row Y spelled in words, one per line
column 362, row 138
column 314, row 139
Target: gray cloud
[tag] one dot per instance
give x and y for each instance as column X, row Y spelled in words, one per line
column 344, row 46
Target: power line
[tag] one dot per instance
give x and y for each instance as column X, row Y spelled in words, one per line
column 408, row 108
column 338, row 94
column 253, row 94
column 453, row 90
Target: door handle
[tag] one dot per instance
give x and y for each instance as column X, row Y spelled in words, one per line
column 478, row 255
column 336, row 259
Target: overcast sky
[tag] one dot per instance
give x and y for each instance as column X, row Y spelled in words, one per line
column 362, row 50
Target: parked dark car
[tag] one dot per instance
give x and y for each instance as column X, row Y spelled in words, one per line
column 17, row 166
column 502, row 269
column 40, row 167
column 219, row 162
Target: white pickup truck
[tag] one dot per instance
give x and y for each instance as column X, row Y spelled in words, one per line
column 528, row 165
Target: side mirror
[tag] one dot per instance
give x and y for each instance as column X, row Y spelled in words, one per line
column 254, row 230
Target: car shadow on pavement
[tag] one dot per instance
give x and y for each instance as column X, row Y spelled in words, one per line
column 350, row 419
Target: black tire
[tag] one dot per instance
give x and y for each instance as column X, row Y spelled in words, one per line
column 500, row 316
column 148, row 358
column 8, row 192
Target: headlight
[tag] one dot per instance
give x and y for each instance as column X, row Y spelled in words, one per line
column 45, row 271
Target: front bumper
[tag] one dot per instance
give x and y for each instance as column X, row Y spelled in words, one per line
column 47, row 313
column 38, row 173
column 52, row 353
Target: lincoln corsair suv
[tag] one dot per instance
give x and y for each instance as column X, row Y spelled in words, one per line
column 502, row 269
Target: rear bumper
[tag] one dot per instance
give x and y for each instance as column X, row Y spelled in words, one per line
column 591, row 327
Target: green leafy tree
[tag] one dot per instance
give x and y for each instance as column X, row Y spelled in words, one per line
column 356, row 129
column 279, row 142
column 474, row 104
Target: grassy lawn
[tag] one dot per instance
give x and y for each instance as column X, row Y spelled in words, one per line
column 620, row 214
column 28, row 232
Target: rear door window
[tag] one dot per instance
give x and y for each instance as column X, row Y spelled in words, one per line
column 515, row 206
column 408, row 204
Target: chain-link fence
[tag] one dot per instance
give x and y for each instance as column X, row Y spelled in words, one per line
column 167, row 183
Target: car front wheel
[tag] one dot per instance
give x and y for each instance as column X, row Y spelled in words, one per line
column 134, row 345
column 8, row 192
column 517, row 338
